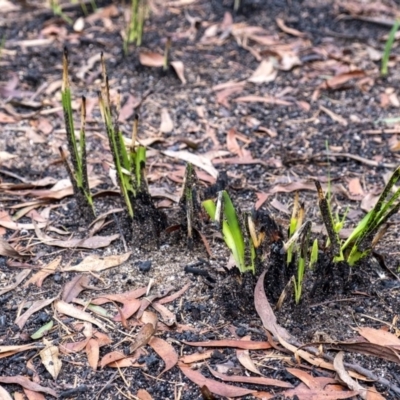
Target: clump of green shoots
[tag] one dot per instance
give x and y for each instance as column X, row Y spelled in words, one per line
column 78, row 171
column 388, row 47
column 57, row 10
column 129, row 166
column 369, row 230
column 239, row 235
column 134, row 31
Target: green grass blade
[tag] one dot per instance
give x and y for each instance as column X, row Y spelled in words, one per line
column 388, row 47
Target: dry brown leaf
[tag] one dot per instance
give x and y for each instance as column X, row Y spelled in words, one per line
column 94, row 263
column 93, row 351
column 176, row 295
column 239, row 344
column 143, row 394
column 74, row 347
column 339, row 80
column 28, row 384
column 346, row 378
column 286, row 29
column 334, row 116
column 143, row 337
column 18, row 279
column 197, row 160
column 304, row 393
column 35, row 307
column 256, row 380
column 196, row 357
column 355, row 187
column 311, row 381
column 244, row 358
column 74, row 287
column 50, row 359
column 167, row 316
column 219, row 388
column 379, row 336
column 265, row 72
column 7, row 250
column 179, row 70
column 32, row 395
column 68, row 309
column 165, row 351
column 166, row 122
column 262, row 99
column 150, row 59
column 44, row 272
column 111, row 357
column 265, row 312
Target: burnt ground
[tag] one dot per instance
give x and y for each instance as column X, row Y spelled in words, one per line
column 269, row 149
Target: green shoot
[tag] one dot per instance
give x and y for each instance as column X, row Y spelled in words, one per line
column 236, row 5
column 302, row 260
column 232, row 231
column 129, row 167
column 388, row 47
column 314, row 254
column 369, row 229
column 78, row 171
column 134, row 32
column 57, row 10
column 2, row 44
column 296, row 221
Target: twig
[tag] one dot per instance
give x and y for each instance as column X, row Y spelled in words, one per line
column 107, row 383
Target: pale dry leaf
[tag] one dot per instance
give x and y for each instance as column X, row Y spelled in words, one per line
column 149, row 317
column 291, row 31
column 198, row 160
column 79, row 25
column 50, row 359
column 4, row 156
column 4, row 395
column 7, row 250
column 179, row 70
column 355, row 187
column 68, row 309
column 151, row 59
column 27, row 383
column 32, row 395
column 346, row 378
column 334, row 116
column 265, row 72
column 18, row 279
column 379, row 336
column 166, row 125
column 74, row 287
column 244, row 358
column 93, row 353
column 167, row 316
column 143, row 337
column 44, row 272
column 262, row 99
column 35, row 307
column 93, row 263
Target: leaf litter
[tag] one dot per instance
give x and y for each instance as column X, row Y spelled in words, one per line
column 326, row 69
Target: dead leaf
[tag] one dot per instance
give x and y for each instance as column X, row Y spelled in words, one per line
column 143, row 394
column 339, row 80
column 50, row 359
column 165, row 351
column 286, row 29
column 379, row 336
column 346, row 378
column 304, row 393
column 244, row 358
column 143, row 337
column 262, row 99
column 166, row 316
column 32, row 395
column 239, row 344
column 176, row 295
column 256, row 380
column 150, row 59
column 311, row 381
column 18, row 279
column 4, row 395
column 197, row 160
column 219, row 388
column 166, row 122
column 35, row 307
column 7, row 250
column 93, row 351
column 179, row 70
column 93, row 263
column 28, row 384
column 355, row 187
column 68, row 309
column 265, row 312
column 334, row 116
column 196, row 357
column 265, row 72
column 44, row 272
column 74, row 287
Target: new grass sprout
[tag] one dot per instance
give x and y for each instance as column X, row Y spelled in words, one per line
column 388, row 47
column 234, row 236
